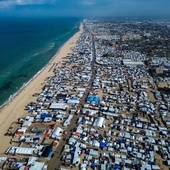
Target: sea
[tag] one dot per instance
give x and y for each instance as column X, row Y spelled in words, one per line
column 26, row 46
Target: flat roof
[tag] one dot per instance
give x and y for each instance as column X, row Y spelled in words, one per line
column 125, row 62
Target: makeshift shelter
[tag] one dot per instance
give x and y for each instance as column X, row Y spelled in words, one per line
column 47, row 151
column 37, row 166
column 131, row 63
column 61, row 96
column 99, row 122
column 93, row 165
column 93, row 99
column 62, row 106
column 57, row 132
column 20, row 150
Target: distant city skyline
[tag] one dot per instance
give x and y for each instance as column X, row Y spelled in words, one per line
column 86, row 8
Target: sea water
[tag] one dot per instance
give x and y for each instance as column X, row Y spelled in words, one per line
column 27, row 45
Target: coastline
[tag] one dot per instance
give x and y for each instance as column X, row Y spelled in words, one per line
column 30, row 80
column 13, row 108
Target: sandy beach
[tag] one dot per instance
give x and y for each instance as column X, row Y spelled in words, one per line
column 15, row 108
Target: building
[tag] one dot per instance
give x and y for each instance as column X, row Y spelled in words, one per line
column 130, row 63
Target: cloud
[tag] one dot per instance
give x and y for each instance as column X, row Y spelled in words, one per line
column 87, row 8
column 29, row 2
column 88, row 2
column 8, row 3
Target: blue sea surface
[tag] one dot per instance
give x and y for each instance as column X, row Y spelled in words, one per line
column 27, row 45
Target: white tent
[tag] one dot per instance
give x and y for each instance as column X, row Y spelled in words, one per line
column 57, row 132
column 20, row 150
column 26, row 124
column 99, row 122
column 70, row 101
column 59, row 106
column 37, row 166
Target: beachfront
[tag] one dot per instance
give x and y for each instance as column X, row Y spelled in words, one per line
column 96, row 107
column 16, row 108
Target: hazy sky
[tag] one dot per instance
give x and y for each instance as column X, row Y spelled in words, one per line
column 85, row 8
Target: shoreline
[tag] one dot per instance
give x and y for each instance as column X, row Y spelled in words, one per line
column 12, row 96
column 13, row 108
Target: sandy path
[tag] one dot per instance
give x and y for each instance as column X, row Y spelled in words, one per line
column 15, row 109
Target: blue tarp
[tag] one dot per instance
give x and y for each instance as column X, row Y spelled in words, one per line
column 167, row 66
column 48, row 98
column 72, row 152
column 102, row 145
column 93, row 165
column 133, row 121
column 57, row 110
column 17, row 165
column 93, row 99
column 74, row 98
column 37, row 134
column 96, row 137
column 116, row 167
column 31, row 110
column 45, row 115
column 81, row 53
column 82, row 135
column 121, row 140
column 87, row 151
column 37, row 138
column 109, row 166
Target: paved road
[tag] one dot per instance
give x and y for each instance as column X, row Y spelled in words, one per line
column 55, row 161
